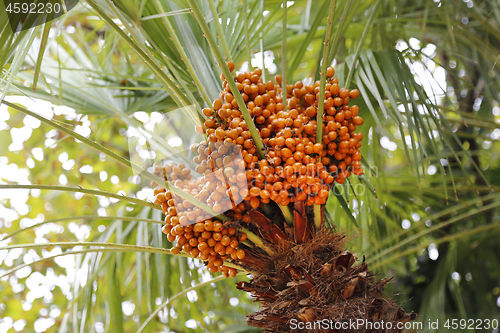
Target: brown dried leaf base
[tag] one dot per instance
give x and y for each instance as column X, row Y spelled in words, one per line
column 316, row 280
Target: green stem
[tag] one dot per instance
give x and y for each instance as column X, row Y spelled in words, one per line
column 232, row 85
column 367, row 182
column 85, row 140
column 77, row 252
column 119, row 159
column 321, row 102
column 261, row 42
column 287, row 214
column 236, row 266
column 218, row 27
column 317, row 216
column 73, row 244
column 283, row 55
column 338, row 33
column 85, row 217
column 248, row 243
column 326, row 50
column 361, row 41
column 83, row 190
column 256, row 240
column 247, row 38
column 43, row 45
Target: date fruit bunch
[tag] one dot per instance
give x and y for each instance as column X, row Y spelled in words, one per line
column 295, row 167
column 254, row 210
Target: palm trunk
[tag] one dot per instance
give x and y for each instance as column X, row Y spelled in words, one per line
column 316, row 280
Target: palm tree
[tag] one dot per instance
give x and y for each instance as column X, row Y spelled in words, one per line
column 427, row 72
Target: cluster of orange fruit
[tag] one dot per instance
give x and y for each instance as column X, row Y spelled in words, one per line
column 207, row 239
column 295, row 167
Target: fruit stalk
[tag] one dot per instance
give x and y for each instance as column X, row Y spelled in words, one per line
column 321, row 102
column 227, row 74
